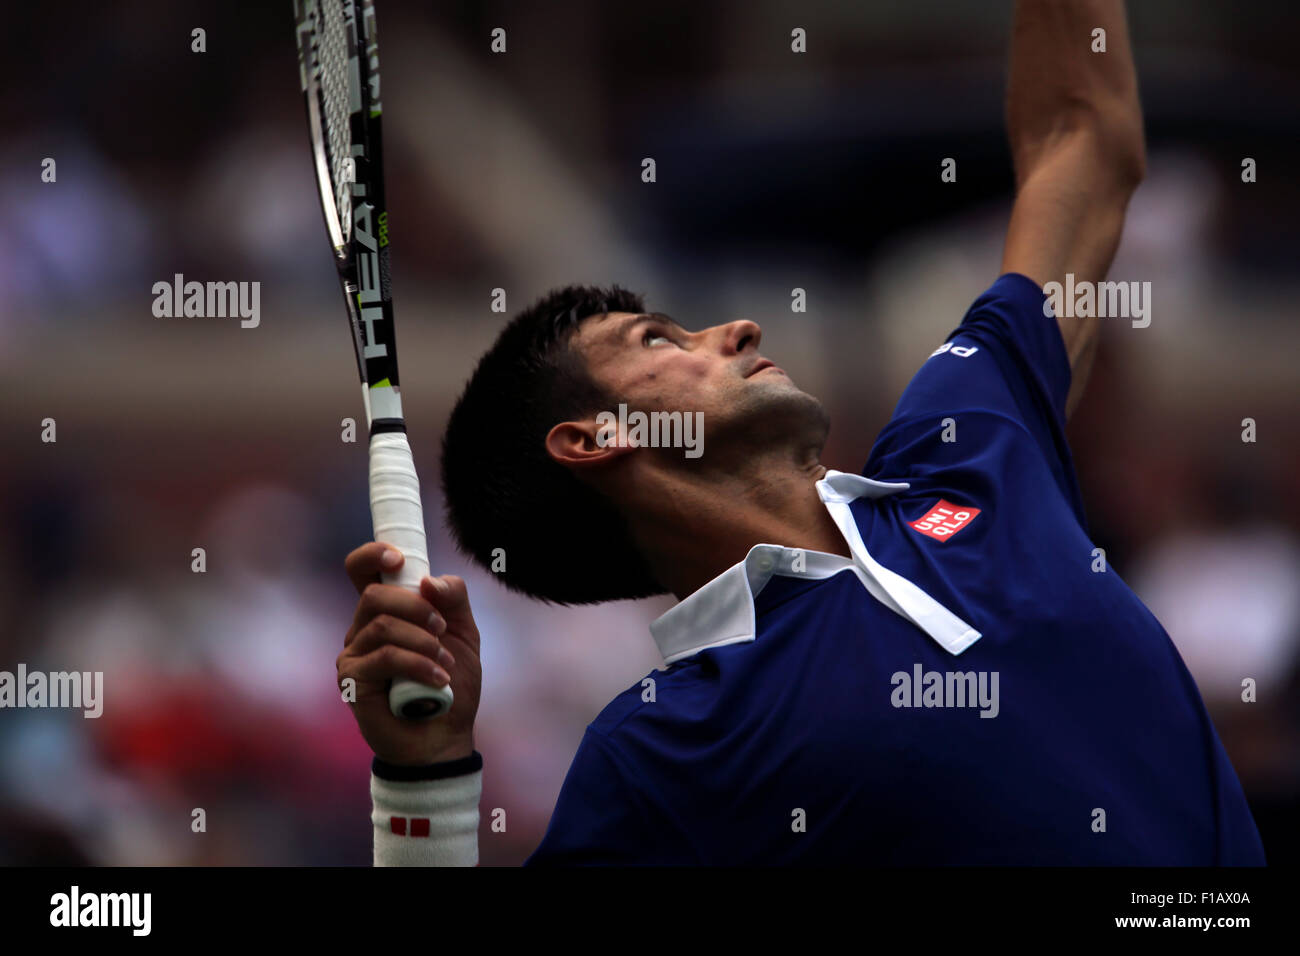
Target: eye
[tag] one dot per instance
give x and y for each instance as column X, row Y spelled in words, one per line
column 652, row 338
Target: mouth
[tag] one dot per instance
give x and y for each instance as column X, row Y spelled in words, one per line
column 762, row 365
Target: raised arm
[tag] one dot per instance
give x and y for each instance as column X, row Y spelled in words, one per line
column 1075, row 127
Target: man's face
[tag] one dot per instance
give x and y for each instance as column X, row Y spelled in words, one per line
column 653, row 364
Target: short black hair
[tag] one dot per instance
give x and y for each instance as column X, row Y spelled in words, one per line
column 563, row 541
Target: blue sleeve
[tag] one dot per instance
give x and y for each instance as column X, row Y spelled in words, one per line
column 604, row 818
column 1005, row 367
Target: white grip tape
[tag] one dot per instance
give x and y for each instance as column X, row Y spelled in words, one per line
column 398, row 519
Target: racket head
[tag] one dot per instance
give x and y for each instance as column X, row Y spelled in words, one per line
column 338, row 59
column 325, row 47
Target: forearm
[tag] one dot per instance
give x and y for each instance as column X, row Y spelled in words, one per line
column 1059, row 86
column 1075, row 127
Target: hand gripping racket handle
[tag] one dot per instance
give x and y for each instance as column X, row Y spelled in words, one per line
column 398, row 520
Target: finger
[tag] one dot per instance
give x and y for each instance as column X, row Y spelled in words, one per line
column 389, row 630
column 366, row 563
column 397, row 602
column 391, row 662
column 450, row 597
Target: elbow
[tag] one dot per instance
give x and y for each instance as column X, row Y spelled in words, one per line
column 1125, row 148
column 1139, row 164
column 1115, row 126
column 1109, row 140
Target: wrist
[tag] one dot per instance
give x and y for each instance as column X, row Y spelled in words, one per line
column 452, row 763
column 420, row 754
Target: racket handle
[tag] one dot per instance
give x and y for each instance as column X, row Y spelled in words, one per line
column 398, row 519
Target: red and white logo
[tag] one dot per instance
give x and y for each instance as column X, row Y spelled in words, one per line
column 945, row 519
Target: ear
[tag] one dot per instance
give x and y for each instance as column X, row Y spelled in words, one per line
column 586, row 443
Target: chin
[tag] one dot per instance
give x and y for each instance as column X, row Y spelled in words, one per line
column 779, row 387
column 781, row 405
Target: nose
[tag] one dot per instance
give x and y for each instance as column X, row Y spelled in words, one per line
column 740, row 335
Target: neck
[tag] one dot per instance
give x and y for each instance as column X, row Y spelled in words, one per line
column 694, row 524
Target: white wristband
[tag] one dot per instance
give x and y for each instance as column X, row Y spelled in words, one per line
column 426, row 822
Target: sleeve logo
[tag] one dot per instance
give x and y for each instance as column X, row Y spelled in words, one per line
column 961, row 351
column 945, row 519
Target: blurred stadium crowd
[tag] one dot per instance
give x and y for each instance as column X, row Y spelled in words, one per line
column 521, row 171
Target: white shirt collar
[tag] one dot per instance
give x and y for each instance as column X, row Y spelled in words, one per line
column 722, row 612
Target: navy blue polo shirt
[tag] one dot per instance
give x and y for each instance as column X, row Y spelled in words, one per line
column 975, row 686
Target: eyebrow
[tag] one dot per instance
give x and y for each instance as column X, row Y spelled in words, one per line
column 648, row 317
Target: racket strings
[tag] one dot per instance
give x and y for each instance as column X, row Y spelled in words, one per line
column 336, row 104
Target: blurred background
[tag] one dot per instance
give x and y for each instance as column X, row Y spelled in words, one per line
column 522, row 171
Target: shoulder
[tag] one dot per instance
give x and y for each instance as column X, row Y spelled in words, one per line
column 630, row 709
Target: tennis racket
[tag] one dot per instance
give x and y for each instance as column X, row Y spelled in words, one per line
column 338, row 62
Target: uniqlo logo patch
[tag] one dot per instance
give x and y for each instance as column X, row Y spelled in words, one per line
column 419, row 826
column 945, row 519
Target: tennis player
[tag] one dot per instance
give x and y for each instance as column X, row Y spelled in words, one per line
column 925, row 663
